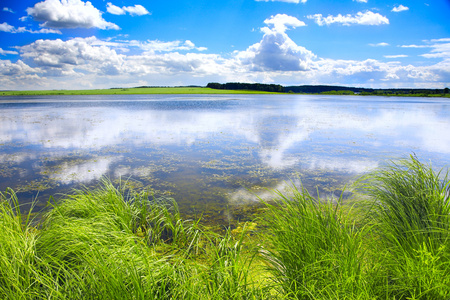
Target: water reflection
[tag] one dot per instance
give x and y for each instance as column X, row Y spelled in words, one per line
column 212, row 145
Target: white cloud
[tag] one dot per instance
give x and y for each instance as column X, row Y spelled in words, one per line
column 84, row 57
column 439, row 50
column 361, row 1
column 5, row 27
column 281, row 22
column 414, row 46
column 115, row 10
column 287, row 1
column 276, row 58
column 69, row 14
column 8, row 9
column 136, row 10
column 6, row 52
column 379, row 45
column 57, row 57
column 440, row 40
column 361, row 18
column 276, row 51
column 19, row 68
column 161, row 46
column 400, row 8
column 396, row 56
column 45, row 30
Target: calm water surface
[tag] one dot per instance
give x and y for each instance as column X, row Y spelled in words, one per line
column 210, row 152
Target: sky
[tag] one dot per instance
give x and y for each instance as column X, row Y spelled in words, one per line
column 77, row 44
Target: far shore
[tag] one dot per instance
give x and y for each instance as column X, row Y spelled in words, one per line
column 197, row 90
column 133, row 91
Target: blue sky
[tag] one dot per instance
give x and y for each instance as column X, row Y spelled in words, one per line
column 77, row 44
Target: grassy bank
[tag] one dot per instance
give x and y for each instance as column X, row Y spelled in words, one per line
column 132, row 91
column 112, row 243
column 197, row 91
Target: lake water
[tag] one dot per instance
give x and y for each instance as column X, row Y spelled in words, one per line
column 212, row 152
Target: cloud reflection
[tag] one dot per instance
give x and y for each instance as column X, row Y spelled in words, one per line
column 279, row 129
column 82, row 172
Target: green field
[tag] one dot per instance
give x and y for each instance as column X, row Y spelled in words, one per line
column 132, row 91
column 193, row 91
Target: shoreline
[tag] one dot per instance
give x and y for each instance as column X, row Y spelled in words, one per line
column 189, row 91
column 132, row 91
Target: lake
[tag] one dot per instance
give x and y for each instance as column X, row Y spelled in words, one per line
column 212, row 152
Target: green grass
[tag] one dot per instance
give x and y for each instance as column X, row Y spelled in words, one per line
column 113, row 243
column 410, row 216
column 132, row 91
column 109, row 243
column 178, row 90
column 316, row 250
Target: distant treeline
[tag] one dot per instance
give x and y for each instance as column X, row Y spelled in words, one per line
column 247, row 86
column 320, row 89
column 323, row 89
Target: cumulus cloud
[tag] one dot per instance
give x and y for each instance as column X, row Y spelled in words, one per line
column 276, row 51
column 58, row 57
column 361, row 18
column 287, row 1
column 361, row 1
column 276, row 58
column 115, row 10
column 136, row 10
column 400, row 8
column 69, row 14
column 5, row 27
column 82, row 57
column 8, row 10
column 370, row 70
column 281, row 22
column 18, row 68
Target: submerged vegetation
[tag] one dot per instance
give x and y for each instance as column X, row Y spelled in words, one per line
column 112, row 243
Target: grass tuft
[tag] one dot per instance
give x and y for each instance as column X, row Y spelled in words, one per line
column 316, row 251
column 410, row 215
column 113, row 243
